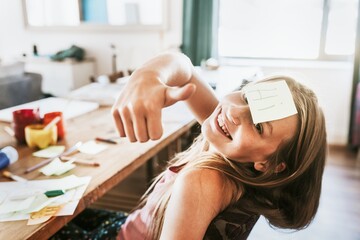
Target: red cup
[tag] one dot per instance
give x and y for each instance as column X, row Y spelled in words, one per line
column 22, row 118
column 60, row 124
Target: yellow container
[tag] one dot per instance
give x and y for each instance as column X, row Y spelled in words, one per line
column 36, row 136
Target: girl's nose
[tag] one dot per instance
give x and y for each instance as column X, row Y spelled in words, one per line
column 236, row 114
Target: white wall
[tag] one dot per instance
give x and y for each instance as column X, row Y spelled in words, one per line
column 333, row 87
column 331, row 82
column 133, row 47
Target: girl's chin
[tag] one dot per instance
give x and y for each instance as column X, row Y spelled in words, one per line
column 209, row 131
column 213, row 149
column 208, row 135
column 205, row 130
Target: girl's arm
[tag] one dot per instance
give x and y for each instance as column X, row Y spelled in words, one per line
column 197, row 198
column 159, row 83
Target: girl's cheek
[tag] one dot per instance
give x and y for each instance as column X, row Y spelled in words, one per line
column 245, row 135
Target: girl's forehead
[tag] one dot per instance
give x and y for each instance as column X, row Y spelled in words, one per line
column 285, row 128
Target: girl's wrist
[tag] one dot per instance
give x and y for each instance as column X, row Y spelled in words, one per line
column 146, row 75
column 178, row 72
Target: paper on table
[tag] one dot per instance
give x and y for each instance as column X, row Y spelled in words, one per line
column 57, row 167
column 270, row 101
column 68, row 201
column 2, row 197
column 43, row 215
column 18, row 194
column 72, row 183
column 16, row 205
column 39, row 203
column 49, row 152
column 104, row 94
column 70, row 195
column 92, row 147
column 14, row 216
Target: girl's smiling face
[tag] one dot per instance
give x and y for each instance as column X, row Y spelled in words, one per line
column 231, row 131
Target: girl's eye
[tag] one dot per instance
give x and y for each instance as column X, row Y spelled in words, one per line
column 259, row 128
column 245, row 98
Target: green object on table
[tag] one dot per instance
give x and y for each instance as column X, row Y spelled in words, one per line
column 73, row 52
column 54, row 193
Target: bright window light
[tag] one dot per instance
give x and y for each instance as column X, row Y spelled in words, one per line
column 53, row 13
column 147, row 12
column 341, row 30
column 288, row 29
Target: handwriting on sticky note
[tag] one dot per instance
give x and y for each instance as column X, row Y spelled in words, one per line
column 270, row 101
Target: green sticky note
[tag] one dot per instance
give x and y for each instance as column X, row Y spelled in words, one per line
column 54, row 193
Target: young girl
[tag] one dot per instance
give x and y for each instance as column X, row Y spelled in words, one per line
column 237, row 169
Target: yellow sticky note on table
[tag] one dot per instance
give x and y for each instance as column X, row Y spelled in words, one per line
column 92, row 147
column 56, row 167
column 49, row 152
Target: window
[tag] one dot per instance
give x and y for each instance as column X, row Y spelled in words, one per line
column 127, row 13
column 287, row 29
column 135, row 12
column 341, row 31
column 52, row 13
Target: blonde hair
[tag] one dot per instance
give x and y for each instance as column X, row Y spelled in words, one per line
column 288, row 199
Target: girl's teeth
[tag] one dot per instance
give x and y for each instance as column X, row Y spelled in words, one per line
column 222, row 125
column 220, row 121
column 225, row 130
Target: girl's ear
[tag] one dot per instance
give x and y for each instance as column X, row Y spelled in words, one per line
column 280, row 167
column 263, row 166
column 260, row 166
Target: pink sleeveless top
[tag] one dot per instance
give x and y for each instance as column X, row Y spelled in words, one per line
column 137, row 223
column 233, row 223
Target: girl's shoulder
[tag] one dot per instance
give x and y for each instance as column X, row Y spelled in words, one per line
column 205, row 183
column 205, row 175
column 197, row 197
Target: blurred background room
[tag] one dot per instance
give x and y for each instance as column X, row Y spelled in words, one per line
column 86, row 49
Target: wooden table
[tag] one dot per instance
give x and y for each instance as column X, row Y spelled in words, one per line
column 117, row 162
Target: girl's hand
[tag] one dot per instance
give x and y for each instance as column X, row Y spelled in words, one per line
column 137, row 110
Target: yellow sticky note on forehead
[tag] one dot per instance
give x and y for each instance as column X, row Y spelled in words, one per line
column 270, row 101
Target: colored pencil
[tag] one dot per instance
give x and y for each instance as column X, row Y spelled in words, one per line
column 106, row 140
column 13, row 176
column 79, row 161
